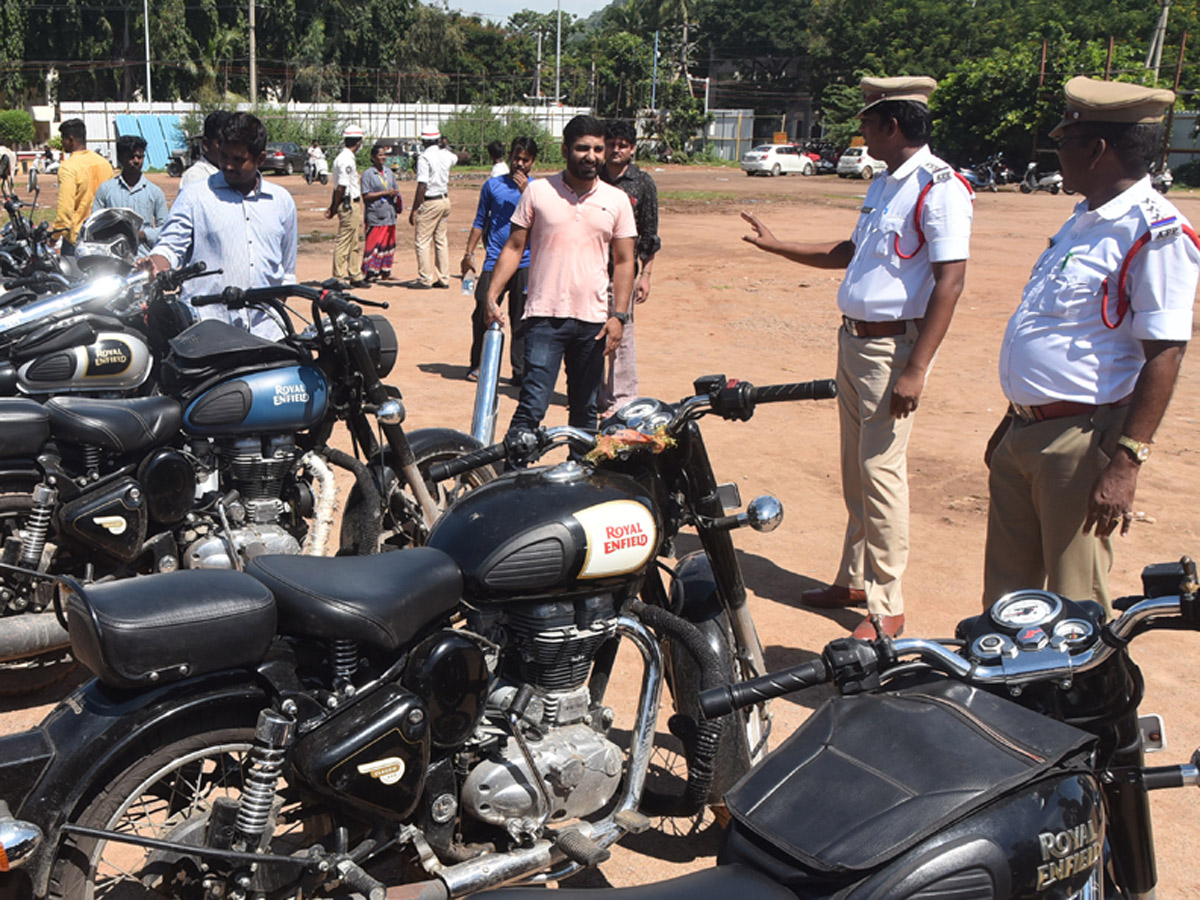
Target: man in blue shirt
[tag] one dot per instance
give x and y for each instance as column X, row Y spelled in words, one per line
column 497, row 200
column 130, row 190
column 236, row 221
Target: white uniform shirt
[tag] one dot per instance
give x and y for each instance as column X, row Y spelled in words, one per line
column 499, row 168
column 433, row 169
column 1056, row 346
column 345, row 173
column 881, row 286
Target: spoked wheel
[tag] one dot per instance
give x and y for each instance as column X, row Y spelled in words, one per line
column 169, row 795
column 404, row 524
column 665, row 777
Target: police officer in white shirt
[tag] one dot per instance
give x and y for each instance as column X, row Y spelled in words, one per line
column 346, row 204
column 905, row 268
column 431, row 211
column 1090, row 357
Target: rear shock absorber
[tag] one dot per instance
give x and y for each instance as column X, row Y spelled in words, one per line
column 271, row 738
column 37, row 526
column 345, row 659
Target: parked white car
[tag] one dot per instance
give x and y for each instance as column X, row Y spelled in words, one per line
column 777, row 159
column 856, row 162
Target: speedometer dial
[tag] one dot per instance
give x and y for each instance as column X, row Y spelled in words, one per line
column 1023, row 609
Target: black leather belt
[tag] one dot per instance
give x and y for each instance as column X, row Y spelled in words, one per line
column 434, row 196
column 861, row 329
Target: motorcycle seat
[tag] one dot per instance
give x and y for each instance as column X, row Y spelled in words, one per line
column 24, row 426
column 723, row 881
column 381, row 600
column 121, row 426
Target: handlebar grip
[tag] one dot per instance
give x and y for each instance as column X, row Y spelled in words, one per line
column 718, row 701
column 473, row 460
column 210, row 299
column 821, row 389
column 332, row 303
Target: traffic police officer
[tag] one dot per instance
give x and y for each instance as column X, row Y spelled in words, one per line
column 1091, row 355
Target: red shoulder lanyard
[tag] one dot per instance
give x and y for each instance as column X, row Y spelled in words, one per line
column 1123, row 274
column 917, row 218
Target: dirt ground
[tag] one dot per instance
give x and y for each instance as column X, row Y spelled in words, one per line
column 719, row 305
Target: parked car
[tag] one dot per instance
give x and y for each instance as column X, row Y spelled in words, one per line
column 856, row 162
column 777, row 159
column 284, row 158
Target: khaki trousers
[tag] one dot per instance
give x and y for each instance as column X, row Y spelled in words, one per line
column 1040, row 481
column 620, row 384
column 348, row 252
column 430, row 222
column 874, row 467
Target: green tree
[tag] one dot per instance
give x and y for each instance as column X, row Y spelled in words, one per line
column 16, row 127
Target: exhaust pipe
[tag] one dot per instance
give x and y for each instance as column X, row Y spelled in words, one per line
column 18, row 840
column 31, row 634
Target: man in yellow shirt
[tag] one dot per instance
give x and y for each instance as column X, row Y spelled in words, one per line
column 81, row 172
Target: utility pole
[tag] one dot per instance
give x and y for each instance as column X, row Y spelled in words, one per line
column 1154, row 54
column 537, row 83
column 654, row 78
column 146, row 24
column 558, row 56
column 253, row 61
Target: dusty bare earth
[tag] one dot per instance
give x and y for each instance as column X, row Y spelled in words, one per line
column 719, row 305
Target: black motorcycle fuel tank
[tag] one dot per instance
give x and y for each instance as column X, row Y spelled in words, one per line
column 936, row 791
column 559, row 530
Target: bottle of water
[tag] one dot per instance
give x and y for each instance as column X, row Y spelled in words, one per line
column 468, row 285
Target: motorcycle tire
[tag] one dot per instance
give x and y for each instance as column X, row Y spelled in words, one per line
column 668, row 773
column 168, row 793
column 403, row 524
column 175, row 168
column 1026, row 189
column 325, row 178
column 1054, row 189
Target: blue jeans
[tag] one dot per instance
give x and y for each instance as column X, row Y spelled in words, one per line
column 548, row 342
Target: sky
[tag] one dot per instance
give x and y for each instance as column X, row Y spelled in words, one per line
column 500, row 10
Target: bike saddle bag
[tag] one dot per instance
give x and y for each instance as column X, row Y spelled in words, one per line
column 215, row 349
column 867, row 777
column 155, row 629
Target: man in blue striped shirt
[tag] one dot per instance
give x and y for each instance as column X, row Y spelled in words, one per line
column 130, row 190
column 236, row 221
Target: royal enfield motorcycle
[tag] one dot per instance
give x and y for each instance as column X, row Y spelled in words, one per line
column 230, row 458
column 1008, row 763
column 328, row 727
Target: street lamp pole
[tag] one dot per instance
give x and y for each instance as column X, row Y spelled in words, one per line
column 146, row 23
column 558, row 55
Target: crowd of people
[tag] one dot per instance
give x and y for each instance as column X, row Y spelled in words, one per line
column 1088, row 362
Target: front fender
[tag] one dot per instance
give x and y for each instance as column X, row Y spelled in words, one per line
column 48, row 772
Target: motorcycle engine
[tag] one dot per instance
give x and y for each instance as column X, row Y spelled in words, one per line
column 256, row 469
column 549, row 647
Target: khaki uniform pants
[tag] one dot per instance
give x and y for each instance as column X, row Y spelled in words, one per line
column 348, row 252
column 430, row 221
column 620, row 384
column 1040, row 481
column 874, row 467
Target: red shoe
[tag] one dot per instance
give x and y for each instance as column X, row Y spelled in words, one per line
column 833, row 597
column 893, row 626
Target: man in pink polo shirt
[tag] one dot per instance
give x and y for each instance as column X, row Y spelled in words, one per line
column 570, row 221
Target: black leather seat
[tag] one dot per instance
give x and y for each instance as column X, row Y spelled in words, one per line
column 24, row 426
column 379, row 600
column 121, row 426
column 723, row 881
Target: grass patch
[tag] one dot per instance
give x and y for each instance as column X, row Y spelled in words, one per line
column 698, row 196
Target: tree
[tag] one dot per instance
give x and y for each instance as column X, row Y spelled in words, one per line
column 16, row 127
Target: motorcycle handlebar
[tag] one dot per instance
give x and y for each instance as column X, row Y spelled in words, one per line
column 238, row 298
column 475, row 459
column 718, row 701
column 821, row 389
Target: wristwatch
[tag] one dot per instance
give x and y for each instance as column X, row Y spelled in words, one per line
column 623, row 318
column 1139, row 451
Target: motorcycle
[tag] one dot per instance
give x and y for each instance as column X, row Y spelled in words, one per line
column 1161, row 178
column 1007, row 763
column 25, row 249
column 988, row 174
column 325, row 727
column 230, row 459
column 1051, row 181
column 316, row 169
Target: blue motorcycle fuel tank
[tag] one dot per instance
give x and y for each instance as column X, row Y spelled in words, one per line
column 561, row 530
column 290, row 398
